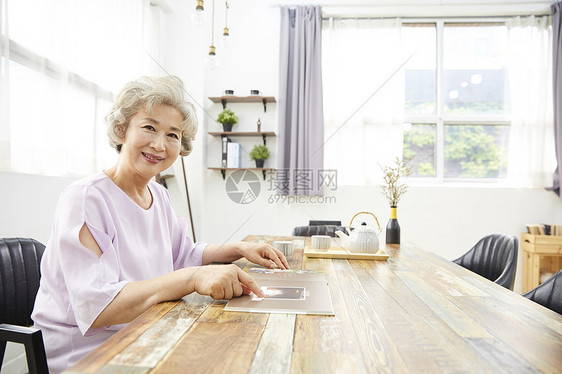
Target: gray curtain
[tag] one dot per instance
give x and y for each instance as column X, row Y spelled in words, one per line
column 301, row 119
column 557, row 86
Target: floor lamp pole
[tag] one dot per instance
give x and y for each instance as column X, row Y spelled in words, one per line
column 188, row 203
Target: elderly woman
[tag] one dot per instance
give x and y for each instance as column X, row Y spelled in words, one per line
column 117, row 247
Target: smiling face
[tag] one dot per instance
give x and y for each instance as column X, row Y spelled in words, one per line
column 152, row 142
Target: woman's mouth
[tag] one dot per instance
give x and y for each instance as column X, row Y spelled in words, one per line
column 152, row 158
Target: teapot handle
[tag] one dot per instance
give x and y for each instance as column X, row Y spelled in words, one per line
column 350, row 223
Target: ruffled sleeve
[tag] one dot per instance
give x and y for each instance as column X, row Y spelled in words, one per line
column 92, row 282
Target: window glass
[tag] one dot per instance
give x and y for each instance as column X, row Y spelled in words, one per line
column 65, row 61
column 420, row 74
column 448, row 108
column 475, row 75
column 419, row 145
column 46, row 138
column 106, row 156
column 476, row 151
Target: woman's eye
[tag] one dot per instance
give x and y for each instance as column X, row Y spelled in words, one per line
column 149, row 127
column 175, row 136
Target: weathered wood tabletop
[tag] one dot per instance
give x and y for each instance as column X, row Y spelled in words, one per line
column 416, row 312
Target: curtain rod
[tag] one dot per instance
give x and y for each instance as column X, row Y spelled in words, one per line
column 491, row 18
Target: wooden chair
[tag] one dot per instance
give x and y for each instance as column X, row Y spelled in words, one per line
column 19, row 282
column 494, row 257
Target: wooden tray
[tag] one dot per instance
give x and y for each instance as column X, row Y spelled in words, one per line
column 338, row 252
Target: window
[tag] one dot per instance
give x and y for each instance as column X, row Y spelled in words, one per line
column 60, row 66
column 457, row 100
column 439, row 92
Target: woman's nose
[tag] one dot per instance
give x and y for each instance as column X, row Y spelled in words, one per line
column 158, row 143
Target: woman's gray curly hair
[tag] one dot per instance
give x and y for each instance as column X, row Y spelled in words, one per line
column 147, row 93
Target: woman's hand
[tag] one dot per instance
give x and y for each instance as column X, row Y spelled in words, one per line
column 263, row 254
column 224, row 282
column 258, row 253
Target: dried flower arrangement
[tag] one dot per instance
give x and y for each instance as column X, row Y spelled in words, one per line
column 392, row 189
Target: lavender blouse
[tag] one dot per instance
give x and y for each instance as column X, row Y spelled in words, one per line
column 76, row 285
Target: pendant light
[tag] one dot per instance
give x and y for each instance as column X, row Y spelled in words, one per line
column 226, row 32
column 199, row 17
column 212, row 60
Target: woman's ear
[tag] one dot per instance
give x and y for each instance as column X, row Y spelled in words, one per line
column 120, row 132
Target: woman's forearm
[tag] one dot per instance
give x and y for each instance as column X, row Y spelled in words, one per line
column 223, row 253
column 259, row 253
column 137, row 297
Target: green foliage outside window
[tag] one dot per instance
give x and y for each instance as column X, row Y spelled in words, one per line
column 475, row 107
column 419, row 146
column 475, row 151
column 471, row 151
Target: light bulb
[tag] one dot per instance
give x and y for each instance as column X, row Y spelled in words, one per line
column 200, row 16
column 212, row 61
column 226, row 39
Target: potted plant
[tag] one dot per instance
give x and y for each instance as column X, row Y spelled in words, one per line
column 228, row 118
column 260, row 153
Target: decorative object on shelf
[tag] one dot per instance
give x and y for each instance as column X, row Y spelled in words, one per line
column 259, row 125
column 229, row 92
column 255, row 92
column 233, row 158
column 393, row 191
column 226, row 32
column 224, row 160
column 212, row 60
column 199, row 17
column 228, row 118
column 259, row 153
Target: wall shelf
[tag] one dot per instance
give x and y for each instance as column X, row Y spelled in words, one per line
column 223, row 170
column 243, row 99
column 264, row 135
column 227, row 134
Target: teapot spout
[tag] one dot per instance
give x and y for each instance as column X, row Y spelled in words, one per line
column 344, row 238
column 342, row 235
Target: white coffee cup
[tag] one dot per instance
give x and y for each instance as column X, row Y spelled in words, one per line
column 320, row 242
column 286, row 247
column 298, row 242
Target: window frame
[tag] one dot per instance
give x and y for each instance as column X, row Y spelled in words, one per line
column 440, row 119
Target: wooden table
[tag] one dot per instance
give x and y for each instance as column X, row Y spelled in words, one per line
column 416, row 312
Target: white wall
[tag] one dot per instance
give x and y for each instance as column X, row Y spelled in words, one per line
column 27, row 204
column 447, row 220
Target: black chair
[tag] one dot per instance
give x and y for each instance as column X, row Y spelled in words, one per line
column 323, row 223
column 548, row 294
column 317, row 230
column 19, row 281
column 494, row 257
